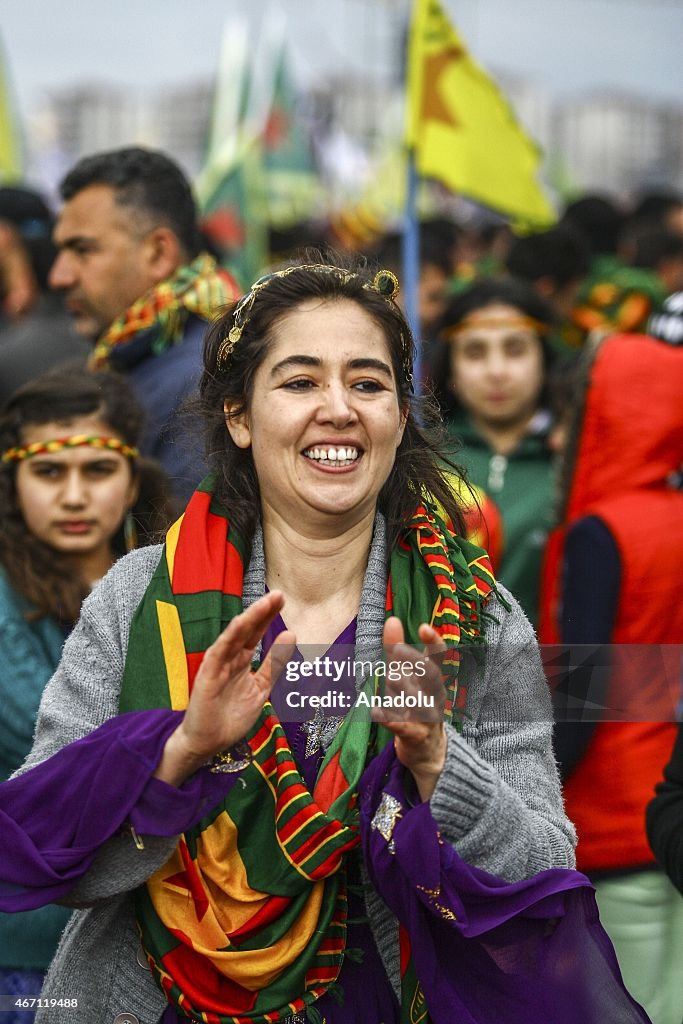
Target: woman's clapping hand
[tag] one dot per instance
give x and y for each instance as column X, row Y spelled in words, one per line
column 227, row 696
column 419, row 733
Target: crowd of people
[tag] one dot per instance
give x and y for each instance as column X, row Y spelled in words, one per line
column 210, row 488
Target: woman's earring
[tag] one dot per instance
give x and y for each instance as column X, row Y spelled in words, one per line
column 130, row 533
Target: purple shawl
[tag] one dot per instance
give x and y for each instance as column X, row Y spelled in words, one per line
column 485, row 950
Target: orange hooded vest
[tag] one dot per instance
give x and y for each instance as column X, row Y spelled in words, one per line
column 628, row 455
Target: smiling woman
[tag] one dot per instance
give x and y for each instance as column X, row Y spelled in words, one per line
column 321, row 869
column 334, row 421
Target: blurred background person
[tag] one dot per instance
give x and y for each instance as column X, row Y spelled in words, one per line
column 483, row 245
column 492, row 371
column 74, row 495
column 435, row 276
column 657, row 249
column 35, row 330
column 600, row 218
column 612, row 577
column 138, row 286
column 555, row 263
column 664, row 205
column 637, row 261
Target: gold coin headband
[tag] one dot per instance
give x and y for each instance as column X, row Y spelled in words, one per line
column 384, row 282
column 57, row 444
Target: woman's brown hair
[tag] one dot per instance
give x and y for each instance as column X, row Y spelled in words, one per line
column 43, row 576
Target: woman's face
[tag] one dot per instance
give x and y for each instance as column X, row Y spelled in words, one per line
column 324, row 420
column 496, row 366
column 75, row 499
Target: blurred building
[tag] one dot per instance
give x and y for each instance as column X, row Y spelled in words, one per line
column 354, row 106
column 603, row 140
column 620, row 142
column 181, row 122
column 94, row 116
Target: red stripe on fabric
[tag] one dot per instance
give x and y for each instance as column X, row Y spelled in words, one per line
column 233, row 571
column 190, row 879
column 269, row 766
column 310, row 846
column 260, row 737
column 443, row 580
column 427, row 537
column 202, row 985
column 332, row 862
column 194, row 660
column 282, row 758
column 433, row 560
column 330, row 946
column 404, row 949
column 196, row 569
column 273, row 764
column 287, row 795
column 331, row 783
column 272, row 909
column 326, row 975
column 302, row 816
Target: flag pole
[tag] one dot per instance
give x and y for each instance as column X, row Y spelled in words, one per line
column 411, row 267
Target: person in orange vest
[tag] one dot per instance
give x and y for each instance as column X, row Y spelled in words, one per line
column 612, row 577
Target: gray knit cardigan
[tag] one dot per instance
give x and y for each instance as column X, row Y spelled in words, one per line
column 498, row 799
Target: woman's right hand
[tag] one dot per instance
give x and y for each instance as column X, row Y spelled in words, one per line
column 227, row 696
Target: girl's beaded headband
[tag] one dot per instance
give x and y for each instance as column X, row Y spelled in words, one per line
column 384, row 282
column 56, row 444
column 521, row 322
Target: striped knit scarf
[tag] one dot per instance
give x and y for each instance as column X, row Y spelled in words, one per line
column 199, row 287
column 246, row 923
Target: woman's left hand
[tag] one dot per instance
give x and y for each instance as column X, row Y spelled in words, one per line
column 419, row 733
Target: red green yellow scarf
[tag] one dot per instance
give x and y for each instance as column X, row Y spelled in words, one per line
column 246, row 923
column 199, row 287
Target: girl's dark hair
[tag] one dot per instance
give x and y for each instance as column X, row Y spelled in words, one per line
column 508, row 291
column 43, row 576
column 422, row 463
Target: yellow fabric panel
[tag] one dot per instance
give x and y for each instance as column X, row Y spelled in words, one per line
column 171, row 545
column 174, row 654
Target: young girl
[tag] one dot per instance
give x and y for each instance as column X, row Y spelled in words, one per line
column 493, row 374
column 73, row 497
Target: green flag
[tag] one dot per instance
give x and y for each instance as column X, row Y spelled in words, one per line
column 231, row 187
column 293, row 187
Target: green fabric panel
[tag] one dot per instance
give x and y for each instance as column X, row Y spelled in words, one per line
column 525, row 494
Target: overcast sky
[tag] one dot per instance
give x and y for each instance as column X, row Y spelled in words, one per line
column 566, row 45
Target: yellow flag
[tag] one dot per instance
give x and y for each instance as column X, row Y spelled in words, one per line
column 10, row 149
column 461, row 128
